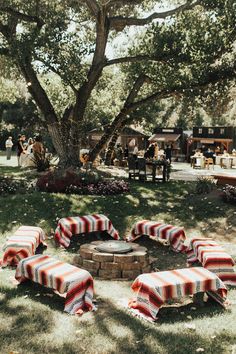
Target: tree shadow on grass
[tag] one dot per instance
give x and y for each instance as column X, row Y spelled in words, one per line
column 38, row 209
column 143, row 337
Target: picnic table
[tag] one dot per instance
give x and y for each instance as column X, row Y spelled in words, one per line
column 67, row 227
column 171, row 235
column 155, row 166
column 212, row 257
column 197, row 161
column 22, row 244
column 63, row 277
column 153, row 289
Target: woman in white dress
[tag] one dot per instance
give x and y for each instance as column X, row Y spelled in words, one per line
column 28, row 160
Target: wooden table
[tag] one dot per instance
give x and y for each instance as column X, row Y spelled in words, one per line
column 22, row 244
column 65, row 278
column 153, row 289
column 197, row 161
column 212, row 257
column 67, row 227
column 154, row 165
column 171, row 235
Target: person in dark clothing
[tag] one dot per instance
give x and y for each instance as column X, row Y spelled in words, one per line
column 168, row 152
column 151, row 150
column 126, row 152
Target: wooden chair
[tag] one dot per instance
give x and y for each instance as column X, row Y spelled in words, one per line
column 209, row 161
column 133, row 169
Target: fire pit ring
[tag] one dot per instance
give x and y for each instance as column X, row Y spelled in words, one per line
column 115, row 247
column 110, row 262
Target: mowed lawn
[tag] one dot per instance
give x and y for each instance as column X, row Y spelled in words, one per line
column 32, row 318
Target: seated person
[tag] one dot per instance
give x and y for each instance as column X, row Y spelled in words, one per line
column 225, row 153
column 197, row 153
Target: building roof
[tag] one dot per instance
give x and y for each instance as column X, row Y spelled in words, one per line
column 164, row 137
column 210, row 140
column 125, row 131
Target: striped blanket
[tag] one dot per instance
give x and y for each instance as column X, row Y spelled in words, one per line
column 213, row 257
column 172, row 235
column 153, row 289
column 22, row 244
column 82, row 224
column 63, row 277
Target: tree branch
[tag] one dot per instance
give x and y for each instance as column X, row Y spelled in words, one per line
column 21, row 16
column 93, row 7
column 57, row 72
column 117, row 122
column 213, row 77
column 133, row 59
column 37, row 91
column 119, row 23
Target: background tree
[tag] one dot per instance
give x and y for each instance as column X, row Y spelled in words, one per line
column 70, row 38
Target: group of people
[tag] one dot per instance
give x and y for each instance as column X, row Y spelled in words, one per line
column 27, row 150
column 154, row 152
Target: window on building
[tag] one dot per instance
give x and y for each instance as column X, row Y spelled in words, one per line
column 210, row 131
column 200, row 131
column 222, row 131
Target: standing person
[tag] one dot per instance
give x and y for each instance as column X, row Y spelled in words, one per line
column 38, row 149
column 156, row 150
column 168, row 152
column 27, row 158
column 126, row 151
column 135, row 152
column 151, row 150
column 9, row 145
column 20, row 148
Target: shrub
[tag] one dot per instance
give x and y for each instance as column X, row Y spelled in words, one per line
column 42, row 162
column 79, row 182
column 229, row 194
column 11, row 186
column 205, row 184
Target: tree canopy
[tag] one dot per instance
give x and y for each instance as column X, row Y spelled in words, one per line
column 182, row 50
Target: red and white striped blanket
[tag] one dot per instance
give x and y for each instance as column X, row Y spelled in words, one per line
column 213, row 257
column 173, row 235
column 22, row 244
column 153, row 289
column 63, row 277
column 83, row 224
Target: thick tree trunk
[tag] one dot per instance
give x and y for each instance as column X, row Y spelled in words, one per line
column 121, row 119
column 111, row 147
column 68, row 154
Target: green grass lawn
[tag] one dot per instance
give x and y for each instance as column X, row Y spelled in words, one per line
column 32, row 317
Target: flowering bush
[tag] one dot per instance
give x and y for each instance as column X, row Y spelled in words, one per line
column 229, row 194
column 100, row 188
column 11, row 186
column 80, row 182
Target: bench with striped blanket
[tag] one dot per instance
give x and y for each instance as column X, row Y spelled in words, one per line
column 172, row 235
column 22, row 244
column 212, row 257
column 63, row 277
column 67, row 227
column 153, row 289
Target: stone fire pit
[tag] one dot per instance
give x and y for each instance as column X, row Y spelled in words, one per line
column 113, row 259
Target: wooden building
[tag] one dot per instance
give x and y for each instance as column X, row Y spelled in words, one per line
column 169, row 136
column 216, row 138
column 129, row 136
